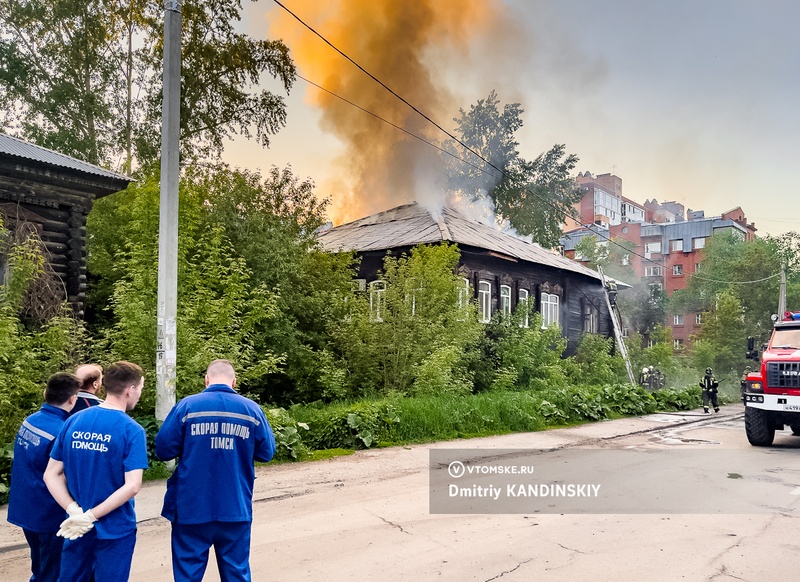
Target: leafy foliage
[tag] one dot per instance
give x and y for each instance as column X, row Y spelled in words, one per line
column 84, row 77
column 534, row 196
column 421, row 321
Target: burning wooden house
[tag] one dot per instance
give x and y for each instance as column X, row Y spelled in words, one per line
column 500, row 270
column 52, row 194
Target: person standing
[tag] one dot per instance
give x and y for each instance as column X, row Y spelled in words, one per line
column 217, row 435
column 30, row 505
column 709, row 385
column 91, row 377
column 97, row 464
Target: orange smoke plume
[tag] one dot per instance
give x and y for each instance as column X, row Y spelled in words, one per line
column 398, row 42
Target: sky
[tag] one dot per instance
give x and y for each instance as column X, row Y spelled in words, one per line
column 696, row 101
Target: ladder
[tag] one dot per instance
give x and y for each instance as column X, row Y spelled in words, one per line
column 612, row 310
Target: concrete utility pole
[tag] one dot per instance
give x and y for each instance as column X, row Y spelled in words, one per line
column 782, row 295
column 166, row 348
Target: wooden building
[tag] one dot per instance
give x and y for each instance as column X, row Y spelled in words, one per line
column 53, row 194
column 500, row 269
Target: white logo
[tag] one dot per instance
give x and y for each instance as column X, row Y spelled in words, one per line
column 456, row 469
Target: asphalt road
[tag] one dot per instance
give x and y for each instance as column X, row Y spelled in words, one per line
column 679, row 497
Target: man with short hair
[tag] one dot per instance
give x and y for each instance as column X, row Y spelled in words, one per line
column 91, row 377
column 30, row 505
column 95, row 470
column 218, row 435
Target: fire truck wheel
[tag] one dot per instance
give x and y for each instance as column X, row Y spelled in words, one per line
column 795, row 429
column 760, row 432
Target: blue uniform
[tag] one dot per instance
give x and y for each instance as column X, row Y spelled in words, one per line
column 85, row 400
column 30, row 505
column 98, row 446
column 217, row 436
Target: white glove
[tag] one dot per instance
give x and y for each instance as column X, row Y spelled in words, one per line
column 74, row 509
column 77, row 525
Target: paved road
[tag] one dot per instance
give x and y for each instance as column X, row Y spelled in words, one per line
column 368, row 516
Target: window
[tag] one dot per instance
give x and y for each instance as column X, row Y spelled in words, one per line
column 676, row 245
column 652, row 271
column 522, row 303
column 485, row 300
column 698, row 319
column 549, row 309
column 652, row 247
column 626, row 259
column 677, row 319
column 590, row 318
column 699, row 243
column 463, row 293
column 377, row 300
column 677, row 344
column 697, row 267
column 677, row 269
column 505, row 300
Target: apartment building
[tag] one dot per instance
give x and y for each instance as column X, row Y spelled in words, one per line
column 668, row 241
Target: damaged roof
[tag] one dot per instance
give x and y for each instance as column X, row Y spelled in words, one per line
column 412, row 224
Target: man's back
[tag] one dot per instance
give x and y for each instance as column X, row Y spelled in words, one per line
column 217, row 434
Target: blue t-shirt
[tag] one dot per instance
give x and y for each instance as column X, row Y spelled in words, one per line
column 218, row 434
column 98, row 446
column 30, row 505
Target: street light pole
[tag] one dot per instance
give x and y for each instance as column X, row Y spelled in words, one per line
column 166, row 348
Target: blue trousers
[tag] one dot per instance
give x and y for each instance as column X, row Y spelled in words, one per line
column 191, row 542
column 110, row 559
column 45, row 555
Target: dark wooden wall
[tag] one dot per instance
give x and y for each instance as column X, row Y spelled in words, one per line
column 574, row 289
column 56, row 201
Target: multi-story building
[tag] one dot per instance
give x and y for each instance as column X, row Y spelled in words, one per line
column 668, row 243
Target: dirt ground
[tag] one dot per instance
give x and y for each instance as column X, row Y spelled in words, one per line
column 368, row 516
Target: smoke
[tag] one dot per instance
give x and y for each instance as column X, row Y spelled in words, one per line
column 403, row 44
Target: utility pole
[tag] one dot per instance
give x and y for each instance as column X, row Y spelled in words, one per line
column 782, row 295
column 166, row 343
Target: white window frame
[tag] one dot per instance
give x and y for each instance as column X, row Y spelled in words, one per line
column 626, row 259
column 698, row 319
column 677, row 319
column 550, row 309
column 677, row 269
column 677, row 344
column 676, row 245
column 522, row 302
column 485, row 300
column 377, row 299
column 652, row 271
column 699, row 242
column 505, row 300
column 652, row 247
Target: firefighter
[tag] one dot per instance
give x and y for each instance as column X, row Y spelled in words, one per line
column 747, row 370
column 643, row 380
column 709, row 385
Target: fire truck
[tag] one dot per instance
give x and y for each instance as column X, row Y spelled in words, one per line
column 771, row 394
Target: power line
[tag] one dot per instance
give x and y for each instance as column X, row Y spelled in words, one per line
column 735, row 282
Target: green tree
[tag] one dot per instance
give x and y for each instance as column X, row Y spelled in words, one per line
column 721, row 341
column 397, row 329
column 84, row 77
column 534, row 196
column 746, row 270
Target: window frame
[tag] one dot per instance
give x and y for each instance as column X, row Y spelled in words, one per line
column 377, row 299
column 550, row 308
column 485, row 300
column 505, row 300
column 523, row 302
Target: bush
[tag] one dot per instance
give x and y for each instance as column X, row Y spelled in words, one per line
column 357, row 425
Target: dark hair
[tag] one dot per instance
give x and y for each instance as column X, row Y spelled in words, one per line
column 61, row 386
column 120, row 375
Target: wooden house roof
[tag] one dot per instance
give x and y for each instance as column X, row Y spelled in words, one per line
column 412, row 224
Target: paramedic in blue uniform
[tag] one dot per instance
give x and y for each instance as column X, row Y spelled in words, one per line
column 30, row 505
column 95, row 471
column 91, row 377
column 216, row 436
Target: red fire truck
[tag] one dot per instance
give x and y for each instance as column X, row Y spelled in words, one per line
column 771, row 394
